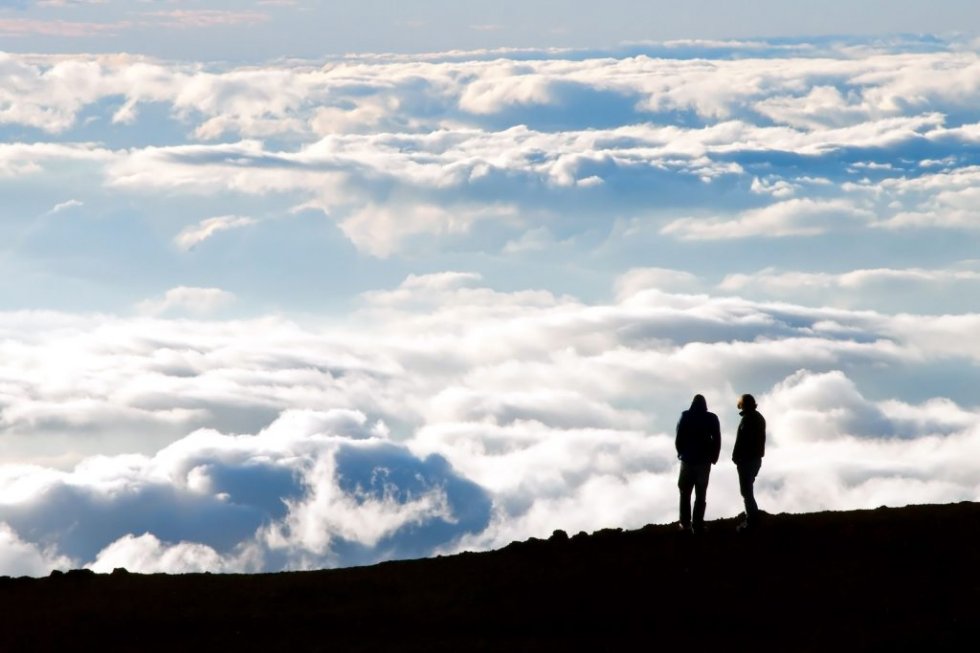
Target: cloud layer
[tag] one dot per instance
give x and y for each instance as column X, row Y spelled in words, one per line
column 446, row 416
column 683, row 150
column 319, row 313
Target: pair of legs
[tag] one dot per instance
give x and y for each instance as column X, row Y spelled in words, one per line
column 747, row 471
column 693, row 477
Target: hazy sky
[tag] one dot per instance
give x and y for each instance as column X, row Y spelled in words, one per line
column 268, row 305
column 219, row 29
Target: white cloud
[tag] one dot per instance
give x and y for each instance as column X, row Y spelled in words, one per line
column 65, row 206
column 890, row 289
column 381, row 230
column 20, row 558
column 196, row 301
column 188, row 18
column 823, row 106
column 535, row 240
column 794, row 281
column 21, row 27
column 145, row 554
column 952, row 208
column 449, row 415
column 403, row 151
column 661, row 279
column 194, row 235
column 795, row 217
column 23, row 159
column 446, row 412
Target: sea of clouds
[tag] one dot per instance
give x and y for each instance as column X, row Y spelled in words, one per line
column 788, row 219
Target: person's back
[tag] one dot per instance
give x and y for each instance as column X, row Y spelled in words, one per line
column 698, row 435
column 698, row 444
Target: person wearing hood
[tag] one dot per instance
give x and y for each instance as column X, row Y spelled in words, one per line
column 698, row 445
column 750, row 447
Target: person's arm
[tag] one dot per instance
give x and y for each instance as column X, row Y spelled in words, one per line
column 762, row 436
column 679, row 440
column 739, row 442
column 715, row 440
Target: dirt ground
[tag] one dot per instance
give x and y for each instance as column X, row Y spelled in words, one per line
column 891, row 579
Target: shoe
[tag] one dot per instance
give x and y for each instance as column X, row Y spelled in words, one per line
column 699, row 529
column 684, row 528
column 744, row 526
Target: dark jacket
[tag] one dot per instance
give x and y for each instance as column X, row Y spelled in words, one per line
column 750, row 440
column 698, row 436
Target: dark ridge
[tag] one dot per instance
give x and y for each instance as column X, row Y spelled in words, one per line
column 894, row 579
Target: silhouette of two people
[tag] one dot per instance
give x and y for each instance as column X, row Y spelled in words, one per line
column 698, row 445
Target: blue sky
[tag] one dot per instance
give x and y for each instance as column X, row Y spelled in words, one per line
column 293, row 285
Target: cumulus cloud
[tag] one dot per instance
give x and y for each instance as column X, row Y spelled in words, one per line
column 145, row 554
column 449, row 415
column 586, row 238
column 19, row 558
column 313, row 489
column 397, row 149
column 952, row 207
column 865, row 453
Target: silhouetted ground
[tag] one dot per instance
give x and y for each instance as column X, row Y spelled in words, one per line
column 886, row 579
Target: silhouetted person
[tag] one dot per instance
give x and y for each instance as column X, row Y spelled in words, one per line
column 698, row 444
column 750, row 447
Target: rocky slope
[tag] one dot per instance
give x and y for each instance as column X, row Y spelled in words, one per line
column 886, row 579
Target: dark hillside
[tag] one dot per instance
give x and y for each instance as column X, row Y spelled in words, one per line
column 885, row 579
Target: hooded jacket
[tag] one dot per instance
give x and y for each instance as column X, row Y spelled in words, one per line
column 698, row 439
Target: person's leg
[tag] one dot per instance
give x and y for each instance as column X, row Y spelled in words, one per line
column 746, row 481
column 700, row 495
column 685, row 483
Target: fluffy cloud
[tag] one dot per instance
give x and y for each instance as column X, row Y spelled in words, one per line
column 399, row 149
column 448, row 415
column 19, row 558
column 863, row 452
column 887, row 289
column 146, row 554
column 293, row 495
column 628, row 228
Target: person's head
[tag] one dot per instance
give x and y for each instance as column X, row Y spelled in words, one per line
column 746, row 402
column 699, row 404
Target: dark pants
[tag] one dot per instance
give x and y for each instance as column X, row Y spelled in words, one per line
column 747, row 471
column 693, row 477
